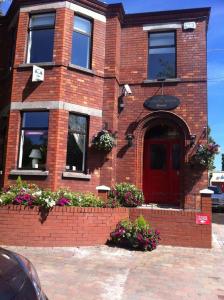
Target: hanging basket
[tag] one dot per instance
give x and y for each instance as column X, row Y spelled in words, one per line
column 204, row 155
column 105, row 140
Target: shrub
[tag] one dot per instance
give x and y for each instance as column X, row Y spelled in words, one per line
column 127, row 195
column 135, row 235
column 111, row 203
column 90, row 200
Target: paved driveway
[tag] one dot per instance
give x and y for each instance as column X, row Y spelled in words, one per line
column 103, row 273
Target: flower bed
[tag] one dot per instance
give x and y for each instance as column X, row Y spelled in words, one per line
column 135, row 235
column 22, row 193
column 26, row 194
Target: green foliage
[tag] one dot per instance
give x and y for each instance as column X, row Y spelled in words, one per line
column 127, row 195
column 111, row 203
column 23, row 193
column 135, row 235
column 104, row 141
column 90, row 200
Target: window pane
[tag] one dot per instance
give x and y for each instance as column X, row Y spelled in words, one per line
column 34, row 149
column 42, row 20
column 162, row 39
column 41, row 45
column 81, row 50
column 78, row 124
column 76, row 147
column 162, row 50
column 176, row 156
column 162, row 65
column 82, row 25
column 35, row 120
column 158, row 157
column 76, row 151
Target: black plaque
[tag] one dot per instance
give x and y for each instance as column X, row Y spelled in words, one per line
column 162, row 102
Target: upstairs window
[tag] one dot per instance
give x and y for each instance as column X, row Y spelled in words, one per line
column 34, row 137
column 162, row 55
column 81, row 43
column 41, row 38
column 77, row 143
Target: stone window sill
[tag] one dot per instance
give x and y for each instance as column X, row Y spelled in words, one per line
column 76, row 175
column 40, row 64
column 81, row 69
column 29, row 172
column 168, row 80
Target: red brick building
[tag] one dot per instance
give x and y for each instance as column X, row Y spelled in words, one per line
column 90, row 52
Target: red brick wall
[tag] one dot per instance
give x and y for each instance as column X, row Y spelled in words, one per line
column 71, row 226
column 63, row 227
column 179, row 228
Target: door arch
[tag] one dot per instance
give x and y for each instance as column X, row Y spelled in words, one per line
column 163, row 158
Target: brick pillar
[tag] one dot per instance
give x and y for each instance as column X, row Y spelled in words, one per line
column 206, row 201
column 103, row 192
column 206, row 208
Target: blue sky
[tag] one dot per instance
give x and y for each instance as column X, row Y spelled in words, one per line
column 215, row 54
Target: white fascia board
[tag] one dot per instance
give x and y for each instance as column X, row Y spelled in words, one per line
column 50, row 105
column 65, row 4
column 162, row 26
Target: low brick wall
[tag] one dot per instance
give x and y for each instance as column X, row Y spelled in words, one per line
column 75, row 226
column 177, row 228
column 63, row 227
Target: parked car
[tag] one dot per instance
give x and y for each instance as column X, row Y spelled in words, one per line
column 18, row 278
column 217, row 197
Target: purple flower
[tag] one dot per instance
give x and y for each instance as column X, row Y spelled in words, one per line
column 23, row 199
column 63, row 202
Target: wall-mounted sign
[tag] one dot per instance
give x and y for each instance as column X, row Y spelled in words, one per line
column 38, row 74
column 203, row 219
column 162, row 102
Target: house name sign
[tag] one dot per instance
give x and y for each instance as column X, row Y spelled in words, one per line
column 162, row 102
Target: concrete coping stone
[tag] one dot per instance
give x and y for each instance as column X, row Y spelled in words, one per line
column 103, row 188
column 206, row 192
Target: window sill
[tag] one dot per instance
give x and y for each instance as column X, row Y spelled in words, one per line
column 168, row 80
column 81, row 69
column 29, row 173
column 76, row 175
column 40, row 64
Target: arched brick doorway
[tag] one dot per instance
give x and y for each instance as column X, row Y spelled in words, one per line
column 162, row 138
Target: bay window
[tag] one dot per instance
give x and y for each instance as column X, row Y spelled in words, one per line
column 77, row 143
column 33, row 143
column 81, row 43
column 41, row 38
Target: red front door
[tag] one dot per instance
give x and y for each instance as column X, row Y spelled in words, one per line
column 161, row 177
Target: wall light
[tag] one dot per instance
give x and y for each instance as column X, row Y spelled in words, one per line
column 130, row 137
